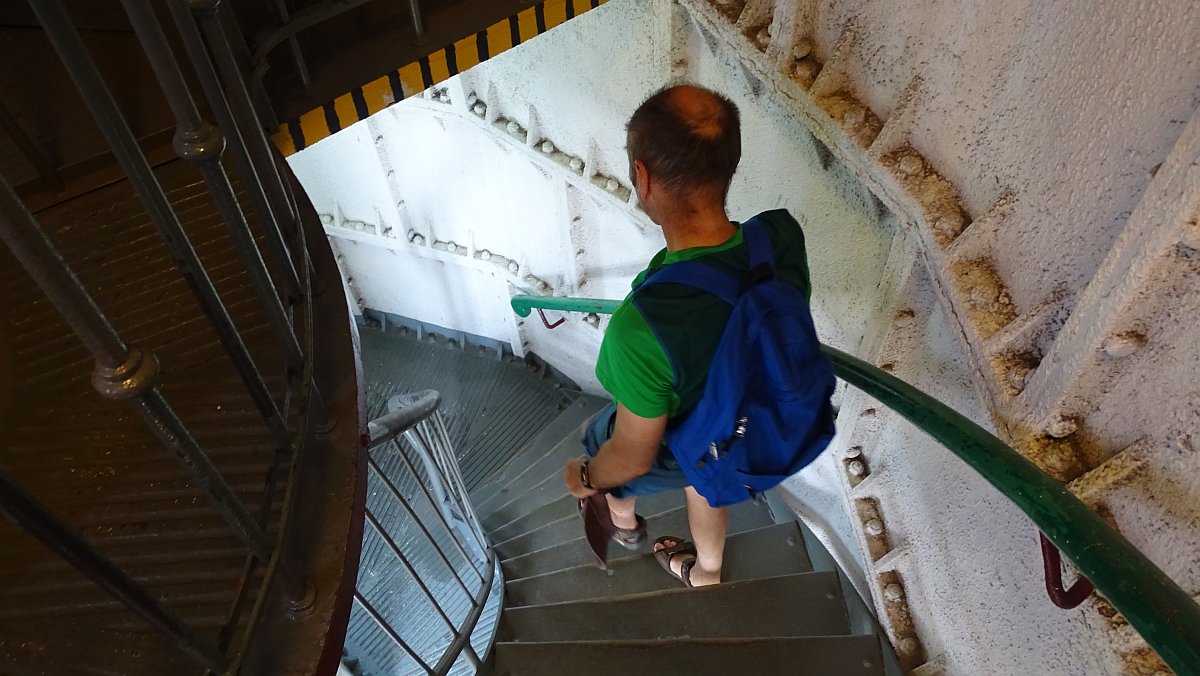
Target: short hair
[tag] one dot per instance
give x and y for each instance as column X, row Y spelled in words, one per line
column 688, row 147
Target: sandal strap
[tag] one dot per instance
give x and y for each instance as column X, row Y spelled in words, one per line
column 685, row 571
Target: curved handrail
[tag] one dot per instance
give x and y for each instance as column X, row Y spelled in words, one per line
column 1163, row 613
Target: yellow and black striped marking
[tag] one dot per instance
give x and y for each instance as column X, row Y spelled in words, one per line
column 425, row 72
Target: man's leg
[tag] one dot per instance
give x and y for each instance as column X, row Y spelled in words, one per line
column 708, row 526
column 623, row 515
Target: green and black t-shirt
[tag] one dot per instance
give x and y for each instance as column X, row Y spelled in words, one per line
column 660, row 342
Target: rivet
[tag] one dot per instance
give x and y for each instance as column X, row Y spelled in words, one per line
column 854, row 117
column 853, row 452
column 802, row 48
column 472, row 98
column 856, row 468
column 480, row 109
column 451, row 247
column 1122, row 345
column 547, row 147
column 485, row 255
column 893, row 592
column 513, row 127
column 1061, row 426
column 873, row 527
column 806, row 71
column 611, row 185
column 576, row 164
column 764, row 36
column 912, row 164
column 513, row 267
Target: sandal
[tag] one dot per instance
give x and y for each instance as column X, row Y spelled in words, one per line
column 664, row 556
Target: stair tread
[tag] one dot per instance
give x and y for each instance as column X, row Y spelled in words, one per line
column 804, row 604
column 525, row 464
column 817, row 655
column 568, row 506
column 568, row 553
column 526, row 499
column 763, row 552
column 569, row 527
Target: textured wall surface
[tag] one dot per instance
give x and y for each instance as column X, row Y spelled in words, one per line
column 1001, row 204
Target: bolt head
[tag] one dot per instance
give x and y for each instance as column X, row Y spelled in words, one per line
column 513, row 128
column 802, row 48
column 480, row 109
column 856, row 468
column 912, row 164
column 576, row 164
column 873, row 527
column 611, row 185
column 854, row 452
column 893, row 592
column 1061, row 427
column 547, row 147
column 1122, row 345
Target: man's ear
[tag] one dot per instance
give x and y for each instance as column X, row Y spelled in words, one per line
column 641, row 178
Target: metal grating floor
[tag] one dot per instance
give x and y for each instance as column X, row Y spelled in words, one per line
column 493, row 407
column 96, row 465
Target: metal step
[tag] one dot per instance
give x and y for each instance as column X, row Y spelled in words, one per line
column 568, row 424
column 499, row 509
column 747, row 516
column 570, row 527
column 526, row 500
column 813, row 655
column 806, row 604
column 764, row 552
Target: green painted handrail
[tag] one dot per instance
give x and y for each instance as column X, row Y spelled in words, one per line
column 1159, row 609
column 524, row 305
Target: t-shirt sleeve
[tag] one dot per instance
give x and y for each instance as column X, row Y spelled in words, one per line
column 633, row 367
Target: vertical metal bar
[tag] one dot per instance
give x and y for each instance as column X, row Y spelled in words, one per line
column 202, row 145
column 414, row 7
column 57, row 23
column 464, row 499
column 411, row 571
column 243, row 107
column 121, row 373
column 421, row 525
column 210, row 82
column 438, row 479
column 433, row 503
column 34, row 519
column 387, row 628
column 281, row 12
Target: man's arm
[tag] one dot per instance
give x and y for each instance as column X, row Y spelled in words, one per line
column 628, row 454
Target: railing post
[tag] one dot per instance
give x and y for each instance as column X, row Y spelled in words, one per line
column 202, row 145
column 193, row 43
column 435, row 505
column 243, row 108
column 121, row 373
column 34, row 519
column 66, row 41
column 412, row 514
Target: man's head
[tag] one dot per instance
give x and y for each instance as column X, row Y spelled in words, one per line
column 684, row 145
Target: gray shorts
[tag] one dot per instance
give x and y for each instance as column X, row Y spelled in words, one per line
column 664, row 476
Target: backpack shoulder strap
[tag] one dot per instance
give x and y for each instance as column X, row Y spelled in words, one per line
column 699, row 276
column 758, row 243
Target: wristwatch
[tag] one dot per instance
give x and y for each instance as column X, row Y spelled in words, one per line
column 583, row 476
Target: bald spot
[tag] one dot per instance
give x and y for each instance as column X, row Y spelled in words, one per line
column 699, row 108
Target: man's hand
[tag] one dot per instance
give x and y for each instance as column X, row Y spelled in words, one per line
column 571, row 477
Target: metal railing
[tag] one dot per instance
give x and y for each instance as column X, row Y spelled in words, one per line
column 1163, row 613
column 129, row 373
column 423, row 530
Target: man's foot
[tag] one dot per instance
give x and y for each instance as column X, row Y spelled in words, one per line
column 631, row 538
column 678, row 557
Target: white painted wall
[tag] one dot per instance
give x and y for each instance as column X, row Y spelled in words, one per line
column 1047, row 119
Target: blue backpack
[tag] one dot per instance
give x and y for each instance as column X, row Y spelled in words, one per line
column 766, row 411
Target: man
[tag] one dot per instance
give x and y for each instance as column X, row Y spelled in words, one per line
column 684, row 146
